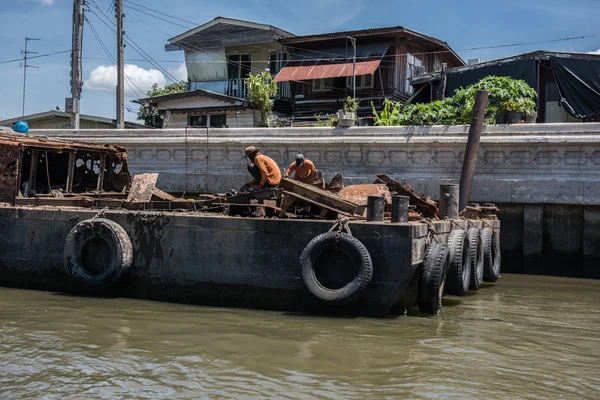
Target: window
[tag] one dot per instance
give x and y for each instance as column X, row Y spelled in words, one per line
column 362, row 81
column 412, row 62
column 197, row 120
column 322, row 85
column 276, row 62
column 218, row 121
column 238, row 65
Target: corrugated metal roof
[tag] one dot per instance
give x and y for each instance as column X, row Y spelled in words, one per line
column 43, row 142
column 308, row 72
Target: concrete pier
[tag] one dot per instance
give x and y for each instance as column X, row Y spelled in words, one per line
column 545, row 178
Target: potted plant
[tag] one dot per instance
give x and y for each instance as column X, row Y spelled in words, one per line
column 347, row 115
column 514, row 111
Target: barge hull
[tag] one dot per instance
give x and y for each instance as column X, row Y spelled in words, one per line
column 207, row 259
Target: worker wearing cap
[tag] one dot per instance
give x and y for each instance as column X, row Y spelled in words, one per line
column 263, row 169
column 303, row 169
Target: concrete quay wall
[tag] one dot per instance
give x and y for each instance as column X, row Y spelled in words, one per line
column 545, row 177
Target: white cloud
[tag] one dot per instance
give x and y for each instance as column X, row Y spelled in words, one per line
column 46, row 2
column 594, row 52
column 180, row 72
column 104, row 79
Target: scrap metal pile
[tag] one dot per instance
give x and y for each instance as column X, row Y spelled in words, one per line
column 294, row 199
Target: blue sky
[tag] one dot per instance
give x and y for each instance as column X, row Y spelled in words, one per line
column 463, row 24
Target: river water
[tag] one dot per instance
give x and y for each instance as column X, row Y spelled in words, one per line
column 526, row 337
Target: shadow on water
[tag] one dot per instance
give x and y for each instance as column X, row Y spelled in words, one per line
column 451, row 301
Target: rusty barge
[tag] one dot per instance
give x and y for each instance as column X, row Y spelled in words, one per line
column 72, row 220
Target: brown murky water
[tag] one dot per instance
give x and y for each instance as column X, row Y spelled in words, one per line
column 527, row 337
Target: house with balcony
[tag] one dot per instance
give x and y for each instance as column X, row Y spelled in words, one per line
column 314, row 73
column 322, row 68
column 219, row 55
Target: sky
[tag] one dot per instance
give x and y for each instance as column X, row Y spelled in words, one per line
column 465, row 25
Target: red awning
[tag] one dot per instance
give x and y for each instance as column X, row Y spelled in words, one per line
column 308, row 72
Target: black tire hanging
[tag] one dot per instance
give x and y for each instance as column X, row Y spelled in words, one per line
column 433, row 278
column 354, row 249
column 476, row 256
column 459, row 270
column 97, row 253
column 491, row 254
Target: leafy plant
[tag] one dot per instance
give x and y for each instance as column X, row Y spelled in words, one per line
column 351, row 104
column 389, row 115
column 503, row 93
column 261, row 88
column 326, row 122
column 149, row 113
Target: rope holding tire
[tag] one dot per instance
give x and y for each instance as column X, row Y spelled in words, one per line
column 97, row 253
column 491, row 254
column 433, row 278
column 336, row 240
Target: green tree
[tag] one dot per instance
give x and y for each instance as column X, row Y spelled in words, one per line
column 150, row 114
column 261, row 88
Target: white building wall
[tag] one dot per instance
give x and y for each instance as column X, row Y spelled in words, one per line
column 246, row 119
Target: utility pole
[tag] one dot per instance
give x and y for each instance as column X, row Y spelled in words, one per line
column 25, row 66
column 76, row 73
column 353, row 41
column 120, row 66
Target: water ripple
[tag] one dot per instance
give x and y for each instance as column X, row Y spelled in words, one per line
column 525, row 337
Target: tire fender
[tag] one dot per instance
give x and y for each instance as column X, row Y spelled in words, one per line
column 433, row 278
column 476, row 254
column 117, row 261
column 459, row 270
column 354, row 249
column 491, row 254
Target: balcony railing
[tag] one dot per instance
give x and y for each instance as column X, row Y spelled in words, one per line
column 239, row 88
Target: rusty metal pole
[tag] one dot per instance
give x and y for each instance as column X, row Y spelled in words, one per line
column 470, row 160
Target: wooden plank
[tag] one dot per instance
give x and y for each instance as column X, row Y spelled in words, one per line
column 33, row 170
column 319, row 196
column 162, row 195
column 425, row 207
column 101, row 172
column 316, row 203
column 70, row 173
column 142, row 187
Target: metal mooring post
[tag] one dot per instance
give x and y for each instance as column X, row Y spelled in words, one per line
column 449, row 195
column 375, row 208
column 400, row 208
column 470, row 160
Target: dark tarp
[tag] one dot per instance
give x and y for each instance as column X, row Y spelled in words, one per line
column 518, row 69
column 578, row 82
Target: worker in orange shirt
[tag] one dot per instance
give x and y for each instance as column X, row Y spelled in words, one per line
column 263, row 169
column 303, row 169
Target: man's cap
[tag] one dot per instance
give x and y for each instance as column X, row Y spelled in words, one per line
column 299, row 159
column 250, row 150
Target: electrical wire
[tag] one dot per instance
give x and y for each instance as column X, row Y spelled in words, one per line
column 128, row 80
column 39, row 56
column 159, row 12
column 154, row 16
column 136, row 48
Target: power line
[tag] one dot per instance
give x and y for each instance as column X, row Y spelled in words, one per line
column 159, row 12
column 136, row 48
column 128, row 80
column 154, row 16
column 40, row 56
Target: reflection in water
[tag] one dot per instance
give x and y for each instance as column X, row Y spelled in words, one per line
column 531, row 337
